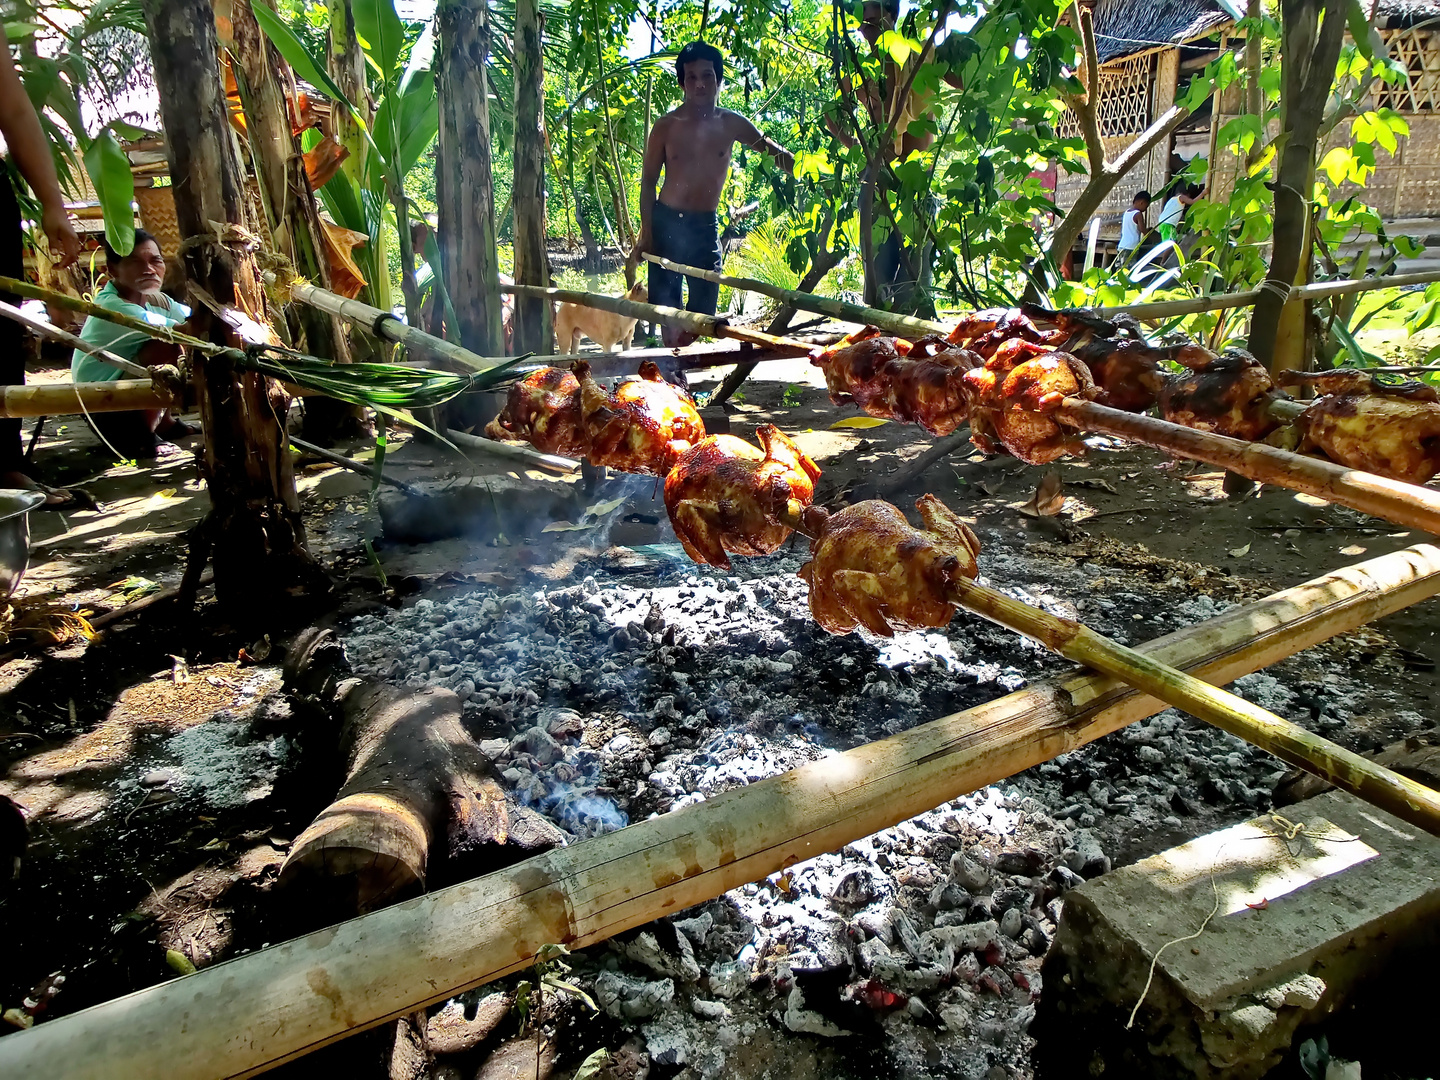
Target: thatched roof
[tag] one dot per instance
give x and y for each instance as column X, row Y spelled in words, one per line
column 1126, row 27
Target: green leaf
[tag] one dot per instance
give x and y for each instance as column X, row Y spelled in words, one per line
column 1337, row 163
column 416, row 125
column 109, row 171
column 382, row 34
column 1359, row 26
column 593, row 1066
column 298, row 57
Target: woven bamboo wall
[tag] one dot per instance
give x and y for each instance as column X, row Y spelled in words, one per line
column 1405, row 184
column 1133, row 92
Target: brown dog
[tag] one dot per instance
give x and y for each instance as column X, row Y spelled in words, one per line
column 605, row 328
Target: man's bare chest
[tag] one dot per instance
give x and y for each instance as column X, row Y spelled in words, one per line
column 707, row 146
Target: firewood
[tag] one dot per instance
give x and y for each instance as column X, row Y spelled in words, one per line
column 416, row 786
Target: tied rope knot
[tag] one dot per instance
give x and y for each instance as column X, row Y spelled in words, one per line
column 1277, row 288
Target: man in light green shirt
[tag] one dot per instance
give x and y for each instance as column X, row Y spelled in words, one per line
column 134, row 290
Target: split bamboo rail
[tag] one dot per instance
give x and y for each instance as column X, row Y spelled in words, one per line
column 495, row 448
column 1165, row 309
column 903, row 325
column 243, row 1016
column 692, row 321
column 85, row 307
column 1394, row 500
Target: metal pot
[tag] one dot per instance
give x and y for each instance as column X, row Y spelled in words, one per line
column 15, row 507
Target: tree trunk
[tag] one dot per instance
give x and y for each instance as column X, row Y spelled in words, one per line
column 420, row 806
column 290, row 206
column 534, row 325
column 465, row 191
column 254, row 527
column 1309, row 51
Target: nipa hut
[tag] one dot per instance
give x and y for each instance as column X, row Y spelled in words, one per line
column 1148, row 50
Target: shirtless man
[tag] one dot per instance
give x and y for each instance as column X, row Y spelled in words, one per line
column 693, row 145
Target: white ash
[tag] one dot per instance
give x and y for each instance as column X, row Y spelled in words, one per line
column 623, row 696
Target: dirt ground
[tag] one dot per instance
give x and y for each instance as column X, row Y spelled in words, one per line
column 118, row 896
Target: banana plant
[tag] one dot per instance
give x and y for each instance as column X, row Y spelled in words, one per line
column 55, row 84
column 406, row 122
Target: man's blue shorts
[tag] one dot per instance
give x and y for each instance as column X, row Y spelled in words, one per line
column 688, row 237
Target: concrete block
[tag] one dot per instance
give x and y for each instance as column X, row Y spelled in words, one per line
column 1305, row 906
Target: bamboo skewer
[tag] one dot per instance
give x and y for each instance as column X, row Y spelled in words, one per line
column 1394, row 500
column 50, row 330
column 1290, row 742
column 386, row 327
column 85, row 307
column 692, row 321
column 292, row 998
column 903, row 325
column 495, row 448
column 354, row 466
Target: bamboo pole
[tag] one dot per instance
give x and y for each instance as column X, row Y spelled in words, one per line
column 1164, row 309
column 1394, row 500
column 55, row 333
column 693, row 321
column 386, row 327
column 85, row 307
column 495, row 448
column 241, row 1017
column 355, row 466
column 903, row 325
column 1290, row 742
column 63, row 399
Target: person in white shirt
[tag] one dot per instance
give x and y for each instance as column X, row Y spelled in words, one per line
column 1132, row 227
column 1173, row 212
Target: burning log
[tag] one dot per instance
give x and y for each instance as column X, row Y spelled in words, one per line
column 303, row 994
column 414, row 781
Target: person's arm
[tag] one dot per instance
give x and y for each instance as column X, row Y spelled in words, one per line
column 31, row 151
column 748, row 135
column 649, row 181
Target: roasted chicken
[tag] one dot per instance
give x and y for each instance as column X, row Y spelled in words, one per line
column 726, row 495
column 893, row 380
column 643, row 426
column 1011, row 407
column 543, row 409
column 1388, row 428
column 870, row 567
column 1228, row 394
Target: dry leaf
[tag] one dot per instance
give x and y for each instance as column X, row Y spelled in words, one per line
column 567, row 526
column 1353, row 549
column 1236, row 553
column 600, row 509
column 858, row 422
column 1048, row 499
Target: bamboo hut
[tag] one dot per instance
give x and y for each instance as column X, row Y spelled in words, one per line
column 1148, row 51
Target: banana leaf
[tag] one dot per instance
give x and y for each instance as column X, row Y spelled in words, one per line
column 109, row 171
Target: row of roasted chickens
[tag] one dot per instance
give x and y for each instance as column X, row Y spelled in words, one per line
column 1009, row 378
column 869, row 566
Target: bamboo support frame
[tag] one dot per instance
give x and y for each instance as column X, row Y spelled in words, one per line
column 63, row 399
column 693, row 321
column 1165, row 309
column 903, row 325
column 292, row 998
column 1394, row 500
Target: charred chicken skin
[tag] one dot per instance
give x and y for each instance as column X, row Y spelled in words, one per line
column 1128, row 369
column 726, row 495
column 1228, row 394
column 544, row 410
column 1386, row 428
column 870, row 567
column 643, row 426
column 855, row 373
column 1012, row 409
